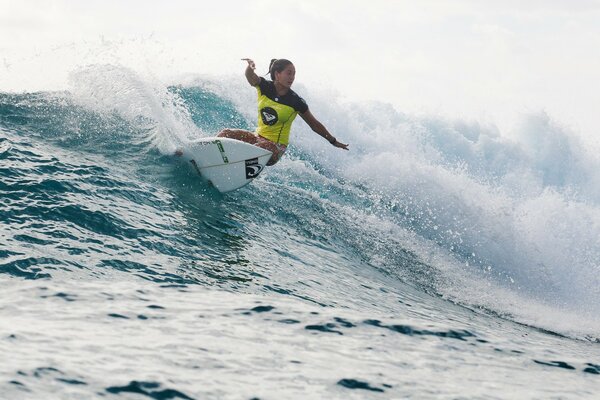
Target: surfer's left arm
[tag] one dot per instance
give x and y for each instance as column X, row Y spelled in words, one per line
column 319, row 128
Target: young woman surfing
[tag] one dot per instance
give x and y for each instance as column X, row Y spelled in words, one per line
column 278, row 105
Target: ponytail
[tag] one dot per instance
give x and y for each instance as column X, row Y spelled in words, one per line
column 277, row 65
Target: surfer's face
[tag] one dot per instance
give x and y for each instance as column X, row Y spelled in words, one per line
column 287, row 76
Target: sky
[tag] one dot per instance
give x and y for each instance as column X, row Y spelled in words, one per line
column 490, row 61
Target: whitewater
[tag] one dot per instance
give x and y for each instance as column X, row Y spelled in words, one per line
column 438, row 258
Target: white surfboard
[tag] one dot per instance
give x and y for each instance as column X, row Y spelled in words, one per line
column 228, row 164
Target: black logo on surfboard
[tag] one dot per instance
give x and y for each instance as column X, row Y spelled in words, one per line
column 269, row 116
column 253, row 168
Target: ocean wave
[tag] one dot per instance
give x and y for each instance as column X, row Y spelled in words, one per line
column 505, row 221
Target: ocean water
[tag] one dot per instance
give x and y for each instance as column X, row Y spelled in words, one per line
column 436, row 259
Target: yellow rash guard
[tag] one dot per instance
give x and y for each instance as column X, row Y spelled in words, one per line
column 276, row 113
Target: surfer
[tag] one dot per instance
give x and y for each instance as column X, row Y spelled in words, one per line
column 278, row 106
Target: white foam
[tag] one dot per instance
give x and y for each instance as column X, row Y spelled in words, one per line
column 144, row 101
column 518, row 211
column 521, row 210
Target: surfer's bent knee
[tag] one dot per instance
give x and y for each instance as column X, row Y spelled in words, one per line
column 224, row 133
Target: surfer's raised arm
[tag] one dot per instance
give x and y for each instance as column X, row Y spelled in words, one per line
column 319, row 128
column 251, row 76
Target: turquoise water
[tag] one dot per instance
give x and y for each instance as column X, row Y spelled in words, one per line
column 436, row 259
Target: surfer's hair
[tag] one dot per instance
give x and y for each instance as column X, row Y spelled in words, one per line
column 278, row 65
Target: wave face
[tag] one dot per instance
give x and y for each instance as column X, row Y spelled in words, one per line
column 519, row 212
column 449, row 214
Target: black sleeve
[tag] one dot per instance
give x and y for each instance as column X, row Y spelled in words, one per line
column 262, row 84
column 302, row 107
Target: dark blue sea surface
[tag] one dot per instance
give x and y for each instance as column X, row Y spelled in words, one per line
column 435, row 259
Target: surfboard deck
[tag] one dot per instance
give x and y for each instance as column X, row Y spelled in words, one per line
column 227, row 164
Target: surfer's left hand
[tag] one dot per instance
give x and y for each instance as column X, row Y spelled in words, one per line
column 340, row 145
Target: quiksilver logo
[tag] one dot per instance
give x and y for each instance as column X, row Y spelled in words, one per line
column 253, row 168
column 269, row 116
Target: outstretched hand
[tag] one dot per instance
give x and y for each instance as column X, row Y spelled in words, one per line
column 340, row 145
column 250, row 63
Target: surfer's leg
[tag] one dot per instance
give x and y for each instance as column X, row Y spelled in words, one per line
column 239, row 134
column 276, row 149
column 277, row 154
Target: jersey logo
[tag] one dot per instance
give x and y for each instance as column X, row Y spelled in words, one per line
column 269, row 116
column 253, row 168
